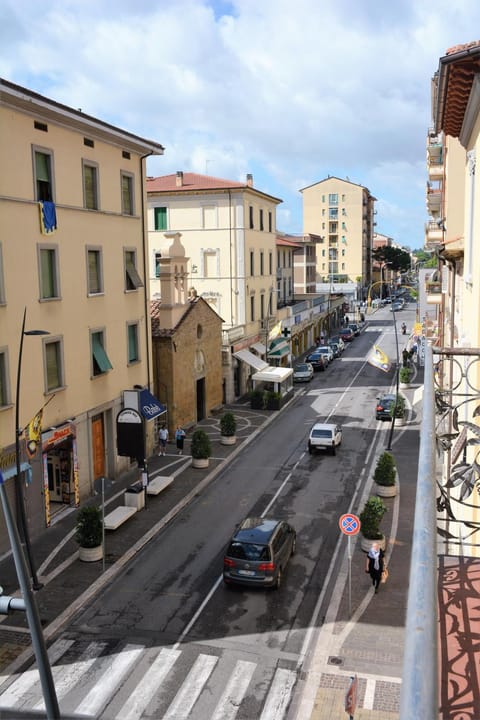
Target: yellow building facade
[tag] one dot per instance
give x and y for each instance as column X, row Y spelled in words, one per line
column 343, row 214
column 73, row 256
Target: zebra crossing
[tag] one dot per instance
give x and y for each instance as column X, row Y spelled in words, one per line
column 110, row 680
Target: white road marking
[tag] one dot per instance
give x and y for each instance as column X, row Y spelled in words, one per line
column 187, row 696
column 148, row 685
column 229, row 703
column 279, row 695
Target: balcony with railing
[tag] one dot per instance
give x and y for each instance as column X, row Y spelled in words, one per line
column 434, row 198
column 433, row 233
column 433, row 291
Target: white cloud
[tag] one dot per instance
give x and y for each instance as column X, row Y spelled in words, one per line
column 289, row 91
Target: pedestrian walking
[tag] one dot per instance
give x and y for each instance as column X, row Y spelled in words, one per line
column 163, row 439
column 375, row 564
column 179, row 438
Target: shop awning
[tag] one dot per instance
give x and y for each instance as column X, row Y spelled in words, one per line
column 279, row 348
column 11, row 472
column 259, row 347
column 150, row 407
column 251, row 359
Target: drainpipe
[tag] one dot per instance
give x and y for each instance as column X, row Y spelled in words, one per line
column 145, row 265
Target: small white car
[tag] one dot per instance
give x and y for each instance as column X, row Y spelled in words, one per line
column 324, row 436
column 326, row 350
column 303, row 372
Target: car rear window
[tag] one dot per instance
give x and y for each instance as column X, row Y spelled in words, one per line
column 248, row 551
column 321, row 433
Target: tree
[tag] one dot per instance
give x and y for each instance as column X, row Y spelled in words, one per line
column 399, row 260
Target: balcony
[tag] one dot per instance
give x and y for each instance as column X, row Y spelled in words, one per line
column 433, row 234
column 434, row 199
column 433, row 290
column 435, row 168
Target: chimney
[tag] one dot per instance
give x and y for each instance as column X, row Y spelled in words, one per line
column 250, row 180
column 179, row 179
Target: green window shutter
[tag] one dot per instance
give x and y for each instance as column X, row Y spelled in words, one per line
column 132, row 343
column 100, row 357
column 160, row 218
column 42, row 166
column 47, row 265
column 52, row 355
column 94, row 278
column 90, row 182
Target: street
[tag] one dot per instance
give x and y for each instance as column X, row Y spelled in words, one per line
column 167, row 639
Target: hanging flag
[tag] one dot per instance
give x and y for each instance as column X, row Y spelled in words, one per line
column 275, row 331
column 48, row 217
column 33, row 434
column 379, row 359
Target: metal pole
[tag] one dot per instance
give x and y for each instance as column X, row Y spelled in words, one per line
column 397, row 374
column 349, row 579
column 38, row 642
column 21, row 516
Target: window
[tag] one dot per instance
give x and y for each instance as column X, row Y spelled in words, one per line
column 270, row 221
column 90, row 186
column 323, row 198
column 343, row 198
column 43, row 167
column 252, row 263
column 53, row 365
column 262, row 306
column 250, row 211
column 132, row 279
column 94, row 272
column 4, row 387
column 210, row 263
column 252, row 308
column 128, row 207
column 261, row 262
column 344, row 212
column 270, row 263
column 160, row 218
column 100, row 362
column 158, row 256
column 49, row 275
column 333, row 199
column 333, row 213
column 132, row 342
column 261, row 219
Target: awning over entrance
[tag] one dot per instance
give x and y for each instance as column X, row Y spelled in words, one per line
column 11, row 472
column 250, row 359
column 150, row 407
column 259, row 347
column 279, row 348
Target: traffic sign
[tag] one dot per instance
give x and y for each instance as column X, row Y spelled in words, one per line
column 349, row 524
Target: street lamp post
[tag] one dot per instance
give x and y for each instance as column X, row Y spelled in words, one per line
column 21, row 516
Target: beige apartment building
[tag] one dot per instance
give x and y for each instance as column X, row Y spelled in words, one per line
column 342, row 213
column 73, row 255
column 228, row 232
column 453, row 202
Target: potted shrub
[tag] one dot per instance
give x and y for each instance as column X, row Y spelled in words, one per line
column 273, row 400
column 89, row 533
column 256, row 400
column 399, row 409
column 201, row 449
column 405, row 376
column 228, row 428
column 370, row 519
column 385, row 475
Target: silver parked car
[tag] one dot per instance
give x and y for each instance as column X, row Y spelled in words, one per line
column 303, row 372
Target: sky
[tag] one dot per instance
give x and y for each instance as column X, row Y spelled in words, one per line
column 291, row 91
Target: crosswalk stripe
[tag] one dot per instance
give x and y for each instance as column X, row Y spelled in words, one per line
column 108, row 674
column 27, row 680
column 232, row 696
column 187, row 696
column 66, row 676
column 146, row 688
column 279, row 695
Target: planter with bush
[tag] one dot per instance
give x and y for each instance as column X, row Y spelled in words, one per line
column 256, row 400
column 370, row 518
column 385, row 475
column 405, row 376
column 201, row 449
column 228, row 428
column 399, row 408
column 89, row 533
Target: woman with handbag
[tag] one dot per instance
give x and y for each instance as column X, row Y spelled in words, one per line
column 375, row 564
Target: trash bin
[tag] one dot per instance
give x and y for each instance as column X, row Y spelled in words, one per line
column 134, row 496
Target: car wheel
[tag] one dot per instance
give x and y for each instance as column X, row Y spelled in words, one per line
column 278, row 580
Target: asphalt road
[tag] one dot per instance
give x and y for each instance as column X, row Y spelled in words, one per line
column 172, row 597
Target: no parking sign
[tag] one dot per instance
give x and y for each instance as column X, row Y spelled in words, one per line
column 349, row 524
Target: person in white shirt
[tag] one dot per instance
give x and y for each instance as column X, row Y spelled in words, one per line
column 163, row 439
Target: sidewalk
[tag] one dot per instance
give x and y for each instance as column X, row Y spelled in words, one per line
column 361, row 633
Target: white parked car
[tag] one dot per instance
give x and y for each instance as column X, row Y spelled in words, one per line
column 324, row 436
column 327, row 351
column 303, row 372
